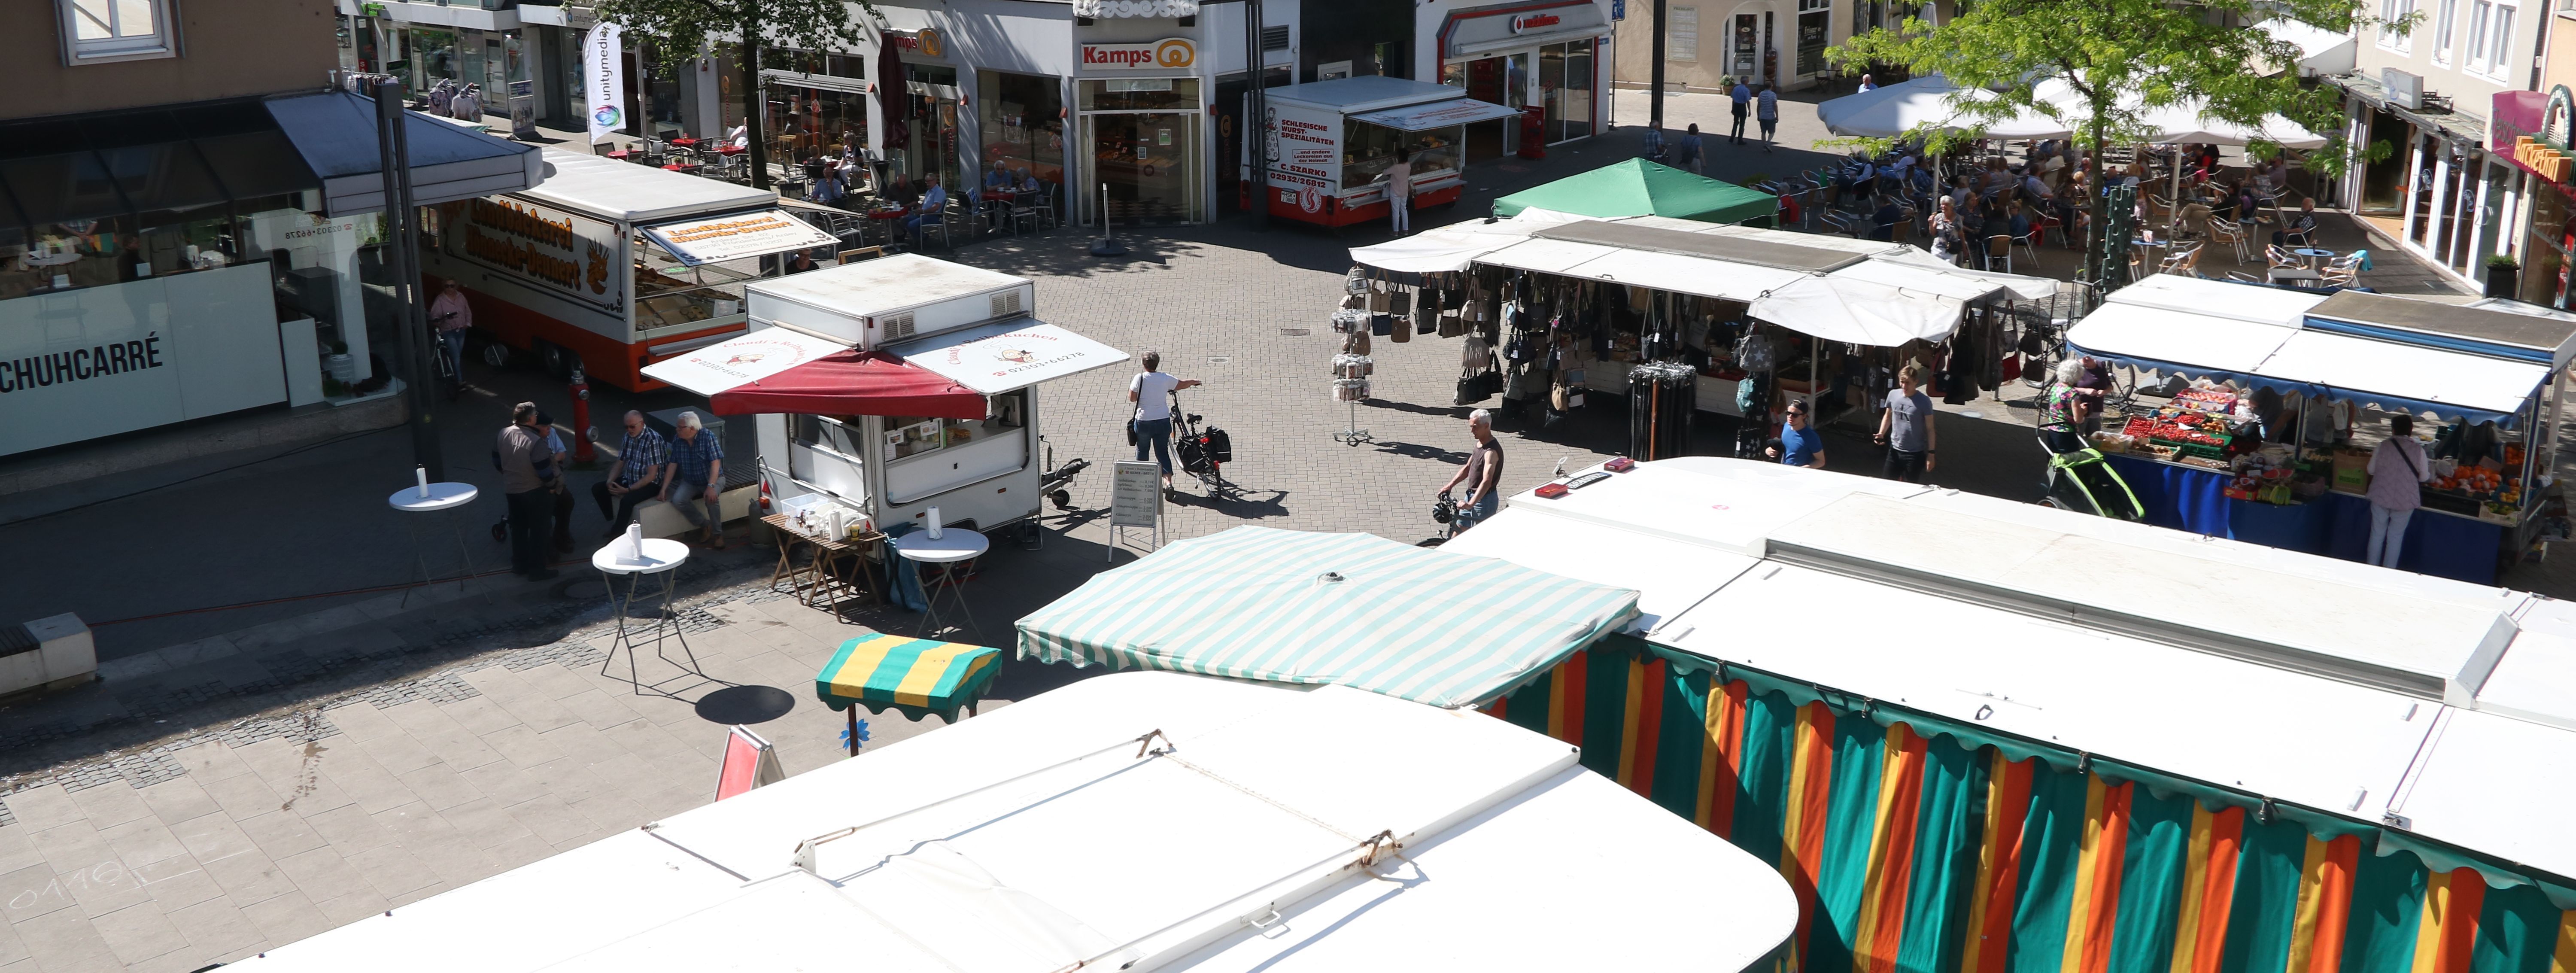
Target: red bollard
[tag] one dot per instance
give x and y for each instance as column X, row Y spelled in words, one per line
column 581, row 449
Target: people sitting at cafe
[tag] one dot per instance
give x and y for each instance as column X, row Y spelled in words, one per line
column 1028, row 180
column 2301, row 229
column 933, row 200
column 999, row 177
column 827, row 188
column 1882, row 224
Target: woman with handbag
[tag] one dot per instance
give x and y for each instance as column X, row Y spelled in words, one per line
column 2398, row 471
column 1151, row 428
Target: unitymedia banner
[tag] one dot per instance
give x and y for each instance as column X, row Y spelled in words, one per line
column 603, row 75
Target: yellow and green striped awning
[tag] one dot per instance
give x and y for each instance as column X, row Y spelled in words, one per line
column 1355, row 610
column 912, row 676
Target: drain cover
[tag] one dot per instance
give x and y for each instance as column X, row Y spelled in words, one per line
column 1296, row 332
column 1219, row 359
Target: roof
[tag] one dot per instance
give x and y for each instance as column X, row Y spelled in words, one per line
column 1010, row 842
column 885, row 285
column 1251, row 603
column 2153, row 647
column 335, row 133
column 1366, row 92
column 1636, row 187
column 1629, row 236
column 614, row 189
column 2396, row 353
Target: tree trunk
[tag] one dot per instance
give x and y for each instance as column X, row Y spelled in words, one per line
column 2097, row 249
column 752, row 124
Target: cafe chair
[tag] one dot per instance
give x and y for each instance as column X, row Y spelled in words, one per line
column 1999, row 249
column 2186, row 263
column 2227, row 232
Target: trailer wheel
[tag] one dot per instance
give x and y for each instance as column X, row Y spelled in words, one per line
column 556, row 359
column 496, row 354
column 1062, row 499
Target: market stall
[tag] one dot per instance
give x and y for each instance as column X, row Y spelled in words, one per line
column 895, row 386
column 1637, row 187
column 2287, row 393
column 1336, row 138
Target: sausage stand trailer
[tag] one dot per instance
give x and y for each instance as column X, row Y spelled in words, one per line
column 611, row 264
column 1336, row 138
column 896, row 385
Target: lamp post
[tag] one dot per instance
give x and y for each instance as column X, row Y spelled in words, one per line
column 411, row 331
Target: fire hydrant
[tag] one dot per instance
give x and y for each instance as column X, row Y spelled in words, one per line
column 581, row 449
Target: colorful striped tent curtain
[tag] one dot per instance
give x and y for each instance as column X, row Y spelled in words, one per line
column 1918, row 846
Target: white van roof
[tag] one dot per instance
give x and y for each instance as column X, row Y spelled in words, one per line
column 1135, row 822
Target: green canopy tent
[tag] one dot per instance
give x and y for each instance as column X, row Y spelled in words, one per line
column 1450, row 630
column 1637, row 187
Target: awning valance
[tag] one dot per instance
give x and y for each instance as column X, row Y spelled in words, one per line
column 714, row 239
column 335, row 134
column 1357, row 610
column 784, row 370
column 915, row 677
column 1438, row 114
column 1007, row 355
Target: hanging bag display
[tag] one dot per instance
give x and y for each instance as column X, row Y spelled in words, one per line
column 1400, row 302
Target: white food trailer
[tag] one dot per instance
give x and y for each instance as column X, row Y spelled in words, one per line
column 895, row 385
column 1336, row 138
column 1129, row 823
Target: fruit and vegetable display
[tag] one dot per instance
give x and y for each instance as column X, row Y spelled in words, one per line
column 2183, row 426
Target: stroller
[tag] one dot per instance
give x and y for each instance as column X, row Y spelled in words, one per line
column 2084, row 482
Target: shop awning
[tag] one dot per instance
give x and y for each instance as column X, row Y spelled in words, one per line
column 157, row 166
column 1357, row 610
column 1453, row 248
column 915, row 677
column 713, row 239
column 1438, row 114
column 2504, row 329
column 1007, row 355
column 1859, row 312
column 335, row 134
column 784, row 370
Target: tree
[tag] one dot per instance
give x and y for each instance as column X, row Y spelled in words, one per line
column 2121, row 59
column 673, row 26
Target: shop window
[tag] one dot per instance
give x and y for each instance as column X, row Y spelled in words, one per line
column 1371, row 148
column 1681, row 33
column 98, row 31
column 2392, row 15
column 670, row 296
column 1141, row 94
column 1023, row 127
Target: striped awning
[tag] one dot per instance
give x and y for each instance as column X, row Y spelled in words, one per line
column 912, row 676
column 1350, row 609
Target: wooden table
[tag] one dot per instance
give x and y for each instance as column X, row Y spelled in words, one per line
column 838, row 568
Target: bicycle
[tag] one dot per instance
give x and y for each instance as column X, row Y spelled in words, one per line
column 1201, row 454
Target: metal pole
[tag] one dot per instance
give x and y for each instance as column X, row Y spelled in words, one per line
column 1256, row 123
column 411, row 351
column 1655, row 96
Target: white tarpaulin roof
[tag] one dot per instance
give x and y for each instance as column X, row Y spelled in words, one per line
column 1927, row 102
column 2024, row 287
column 1452, row 248
column 2321, row 52
column 2355, row 367
column 2184, row 123
column 714, row 239
column 1011, row 842
column 1007, row 355
column 1859, row 312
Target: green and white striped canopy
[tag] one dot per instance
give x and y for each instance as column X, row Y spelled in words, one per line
column 1351, row 609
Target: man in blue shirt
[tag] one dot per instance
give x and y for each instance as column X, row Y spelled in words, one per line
column 932, row 202
column 640, row 461
column 1742, row 96
column 695, row 474
column 1800, row 444
column 1693, row 153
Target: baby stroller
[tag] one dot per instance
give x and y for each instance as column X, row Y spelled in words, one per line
column 2084, row 482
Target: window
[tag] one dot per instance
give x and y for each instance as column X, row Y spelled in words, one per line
column 1681, row 34
column 2392, row 15
column 2443, row 21
column 97, row 31
column 2490, row 37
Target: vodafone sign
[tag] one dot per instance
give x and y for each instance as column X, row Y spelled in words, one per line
column 1524, row 23
column 1173, row 53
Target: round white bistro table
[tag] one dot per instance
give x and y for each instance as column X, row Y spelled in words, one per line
column 662, row 557
column 437, row 498
column 954, row 544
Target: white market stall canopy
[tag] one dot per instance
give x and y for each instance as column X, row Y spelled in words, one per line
column 2321, row 52
column 1438, row 114
column 2402, row 354
column 1006, row 356
column 1929, row 103
column 1453, row 248
column 714, row 239
column 613, row 189
column 2447, row 707
column 1139, row 821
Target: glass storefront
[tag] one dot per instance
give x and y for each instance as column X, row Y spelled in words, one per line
column 804, row 122
column 1502, row 80
column 1023, row 126
column 1565, row 87
column 931, row 142
column 1143, row 138
column 2546, row 246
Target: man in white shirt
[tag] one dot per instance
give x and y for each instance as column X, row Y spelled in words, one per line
column 1152, row 390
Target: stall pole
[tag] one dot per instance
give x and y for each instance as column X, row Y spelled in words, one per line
column 393, row 154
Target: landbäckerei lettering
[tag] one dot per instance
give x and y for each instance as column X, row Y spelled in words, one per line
column 78, row 364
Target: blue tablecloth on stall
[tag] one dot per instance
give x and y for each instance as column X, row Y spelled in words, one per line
column 2334, row 525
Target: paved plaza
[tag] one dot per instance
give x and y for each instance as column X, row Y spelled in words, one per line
column 280, row 744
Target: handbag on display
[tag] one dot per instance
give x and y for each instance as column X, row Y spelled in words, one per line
column 1452, row 325
column 1472, row 388
column 1355, row 302
column 1426, row 318
column 1399, row 328
column 1382, row 324
column 1355, row 282
column 1400, row 302
column 1350, row 321
column 2012, row 368
column 1378, row 301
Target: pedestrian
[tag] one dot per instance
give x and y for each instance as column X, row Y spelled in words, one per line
column 1482, row 473
column 2062, row 409
column 801, row 262
column 696, row 474
column 1653, row 144
column 450, row 314
column 1399, row 193
column 1694, row 153
column 1906, row 428
column 2398, row 472
column 528, row 474
column 640, row 458
column 1766, row 110
column 1867, row 83
column 1800, row 443
column 1151, row 390
column 564, row 502
column 1741, row 97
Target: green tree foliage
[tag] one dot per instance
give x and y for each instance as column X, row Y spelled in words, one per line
column 2121, row 59
column 750, row 28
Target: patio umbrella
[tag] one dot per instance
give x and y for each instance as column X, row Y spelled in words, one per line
column 1448, row 630
column 1636, row 187
column 1930, row 101
column 2183, row 121
column 915, row 677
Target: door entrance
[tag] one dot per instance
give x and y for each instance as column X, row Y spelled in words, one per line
column 1148, row 162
